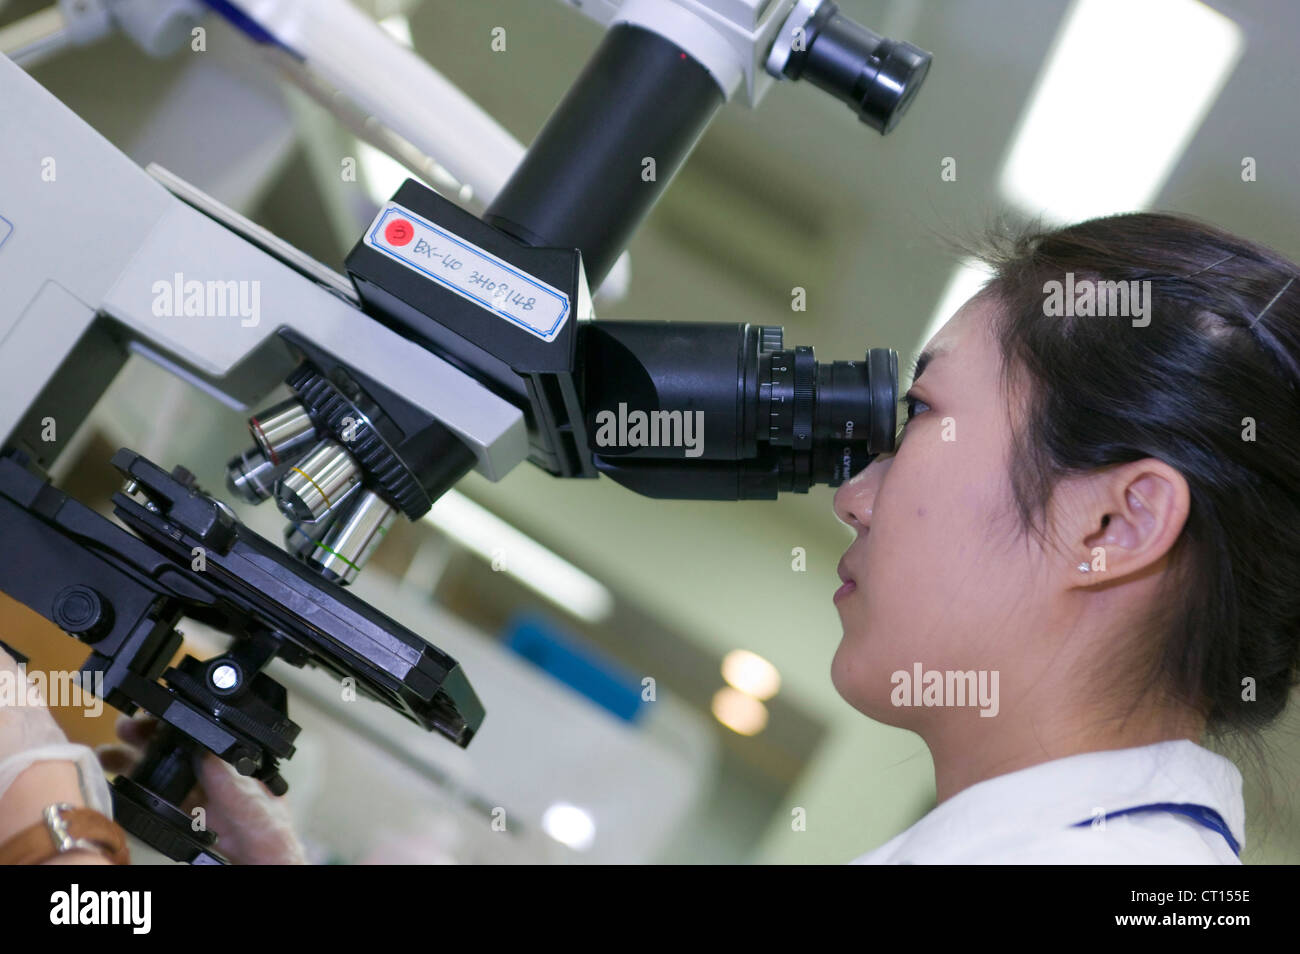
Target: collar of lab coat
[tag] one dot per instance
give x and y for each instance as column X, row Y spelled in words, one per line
column 1052, row 796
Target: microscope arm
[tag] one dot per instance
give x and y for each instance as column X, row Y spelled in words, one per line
column 99, row 260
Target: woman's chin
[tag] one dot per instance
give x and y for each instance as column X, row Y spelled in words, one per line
column 863, row 678
column 849, row 670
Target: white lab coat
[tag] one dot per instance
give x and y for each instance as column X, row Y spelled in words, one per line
column 1026, row 817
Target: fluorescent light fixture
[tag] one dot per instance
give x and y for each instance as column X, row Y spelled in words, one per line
column 1126, row 85
column 751, row 674
column 520, row 556
column 399, row 28
column 968, row 278
column 569, row 825
column 381, row 174
column 739, row 711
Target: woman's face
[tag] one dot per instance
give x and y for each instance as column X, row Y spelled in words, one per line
column 939, row 572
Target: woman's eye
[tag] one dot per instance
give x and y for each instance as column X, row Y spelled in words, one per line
column 912, row 406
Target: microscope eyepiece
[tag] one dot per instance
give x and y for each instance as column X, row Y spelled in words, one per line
column 876, row 76
column 715, row 411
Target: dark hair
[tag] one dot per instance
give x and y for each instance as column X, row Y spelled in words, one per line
column 1221, row 350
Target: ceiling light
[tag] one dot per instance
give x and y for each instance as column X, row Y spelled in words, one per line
column 569, row 825
column 520, row 556
column 738, row 711
column 751, row 674
column 1126, row 86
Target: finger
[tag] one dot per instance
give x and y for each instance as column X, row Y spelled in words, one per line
column 241, row 796
column 118, row 759
column 196, row 797
column 258, row 827
column 137, row 730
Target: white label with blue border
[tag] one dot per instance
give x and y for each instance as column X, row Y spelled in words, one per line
column 469, row 271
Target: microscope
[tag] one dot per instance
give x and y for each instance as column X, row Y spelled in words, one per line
column 454, row 342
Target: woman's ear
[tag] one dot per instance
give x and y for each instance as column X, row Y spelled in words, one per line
column 1140, row 509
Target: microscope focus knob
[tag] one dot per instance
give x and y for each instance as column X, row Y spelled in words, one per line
column 82, row 612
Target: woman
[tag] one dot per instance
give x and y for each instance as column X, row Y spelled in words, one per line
column 1096, row 517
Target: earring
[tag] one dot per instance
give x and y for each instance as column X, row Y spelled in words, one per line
column 1084, row 567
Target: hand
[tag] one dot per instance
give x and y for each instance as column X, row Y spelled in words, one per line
column 253, row 826
column 24, row 726
column 39, row 766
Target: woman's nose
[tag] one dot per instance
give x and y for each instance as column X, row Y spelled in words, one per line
column 856, row 496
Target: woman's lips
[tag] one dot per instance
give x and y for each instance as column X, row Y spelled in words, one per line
column 849, row 584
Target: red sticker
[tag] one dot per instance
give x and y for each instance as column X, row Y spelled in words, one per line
column 399, row 232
